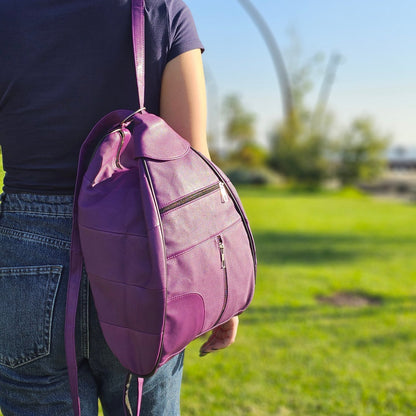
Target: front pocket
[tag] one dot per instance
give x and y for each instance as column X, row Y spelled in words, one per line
column 199, row 193
column 199, row 271
column 27, row 302
column 185, row 318
column 220, row 269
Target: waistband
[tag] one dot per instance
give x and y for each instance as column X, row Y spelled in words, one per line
column 37, row 204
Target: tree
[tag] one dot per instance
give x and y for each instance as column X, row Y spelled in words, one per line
column 361, row 152
column 240, row 131
column 239, row 127
column 299, row 153
column 298, row 144
column 249, row 155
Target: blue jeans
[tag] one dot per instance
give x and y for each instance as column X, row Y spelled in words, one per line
column 34, row 257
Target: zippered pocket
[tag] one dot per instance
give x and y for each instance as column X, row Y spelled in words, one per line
column 200, row 193
column 221, row 248
column 237, row 203
column 219, row 270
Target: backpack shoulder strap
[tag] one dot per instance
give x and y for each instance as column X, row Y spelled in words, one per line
column 76, row 259
column 138, row 30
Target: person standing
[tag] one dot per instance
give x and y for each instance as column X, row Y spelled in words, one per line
column 64, row 65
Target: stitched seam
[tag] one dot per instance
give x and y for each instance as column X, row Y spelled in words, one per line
column 113, row 232
column 204, row 241
column 37, row 238
column 125, row 284
column 32, row 357
column 131, row 329
column 54, row 271
column 36, row 213
column 31, row 270
column 52, row 302
column 169, row 24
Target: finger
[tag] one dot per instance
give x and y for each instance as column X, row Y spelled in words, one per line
column 222, row 337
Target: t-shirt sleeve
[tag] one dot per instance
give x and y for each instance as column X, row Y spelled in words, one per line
column 183, row 33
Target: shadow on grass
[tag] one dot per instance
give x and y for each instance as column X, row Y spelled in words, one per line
column 388, row 339
column 258, row 314
column 308, row 248
column 366, row 327
column 281, row 248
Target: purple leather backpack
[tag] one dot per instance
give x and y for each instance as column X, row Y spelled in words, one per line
column 162, row 233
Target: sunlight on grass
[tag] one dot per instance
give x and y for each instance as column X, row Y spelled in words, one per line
column 298, row 354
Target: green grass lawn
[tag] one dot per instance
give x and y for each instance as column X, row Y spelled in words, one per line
column 298, row 356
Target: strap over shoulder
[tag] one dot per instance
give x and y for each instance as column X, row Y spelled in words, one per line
column 138, row 30
column 110, row 120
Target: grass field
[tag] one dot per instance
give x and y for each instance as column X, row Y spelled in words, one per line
column 297, row 354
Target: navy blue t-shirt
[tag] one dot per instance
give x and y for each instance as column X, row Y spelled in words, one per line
column 64, row 65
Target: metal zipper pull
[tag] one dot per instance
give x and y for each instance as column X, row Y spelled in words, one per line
column 223, row 191
column 222, row 254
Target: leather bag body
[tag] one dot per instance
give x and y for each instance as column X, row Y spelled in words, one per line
column 163, row 236
column 165, row 241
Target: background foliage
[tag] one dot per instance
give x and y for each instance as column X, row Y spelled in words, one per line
column 306, row 147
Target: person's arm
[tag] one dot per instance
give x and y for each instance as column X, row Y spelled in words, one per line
column 183, row 99
column 183, row 107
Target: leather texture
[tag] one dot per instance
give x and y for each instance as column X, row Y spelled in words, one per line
column 160, row 280
column 164, row 238
column 168, row 255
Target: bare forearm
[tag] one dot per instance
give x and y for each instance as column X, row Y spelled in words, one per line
column 183, row 99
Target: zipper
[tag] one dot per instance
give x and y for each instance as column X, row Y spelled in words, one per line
column 224, row 195
column 221, row 248
column 195, row 195
column 237, row 206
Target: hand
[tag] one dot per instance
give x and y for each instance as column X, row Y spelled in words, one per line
column 221, row 337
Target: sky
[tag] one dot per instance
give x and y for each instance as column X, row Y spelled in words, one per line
column 376, row 76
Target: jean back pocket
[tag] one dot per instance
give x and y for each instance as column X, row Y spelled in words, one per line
column 27, row 300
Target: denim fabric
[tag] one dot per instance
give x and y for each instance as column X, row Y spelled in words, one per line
column 34, row 257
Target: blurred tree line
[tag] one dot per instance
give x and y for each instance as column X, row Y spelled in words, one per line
column 304, row 148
